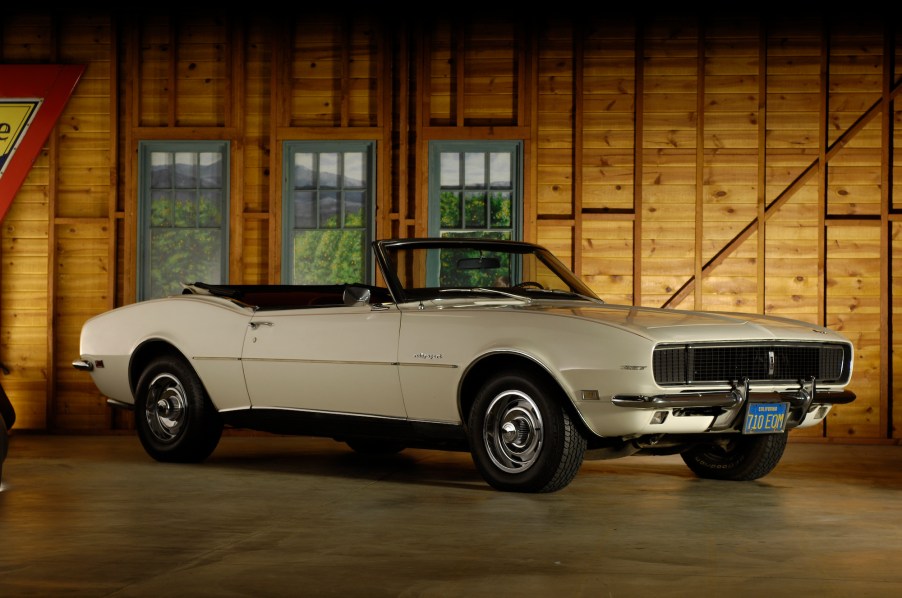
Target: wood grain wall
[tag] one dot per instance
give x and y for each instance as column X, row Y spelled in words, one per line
column 731, row 162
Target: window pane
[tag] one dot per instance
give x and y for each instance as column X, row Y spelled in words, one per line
column 328, row 210
column 474, row 210
column 303, row 170
column 450, row 169
column 304, row 209
column 328, row 170
column 354, row 209
column 186, row 170
column 183, row 255
column 500, row 176
column 475, row 170
column 160, row 170
column 160, row 208
column 501, row 206
column 185, row 215
column 328, row 257
column 355, row 169
column 450, row 209
column 210, row 170
column 209, row 209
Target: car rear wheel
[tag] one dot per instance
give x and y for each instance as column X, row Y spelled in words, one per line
column 175, row 419
column 736, row 457
column 521, row 437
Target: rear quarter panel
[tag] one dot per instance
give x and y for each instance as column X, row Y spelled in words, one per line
column 208, row 331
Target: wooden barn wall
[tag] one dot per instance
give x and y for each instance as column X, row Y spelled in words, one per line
column 738, row 163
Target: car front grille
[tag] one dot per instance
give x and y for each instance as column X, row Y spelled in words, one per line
column 771, row 362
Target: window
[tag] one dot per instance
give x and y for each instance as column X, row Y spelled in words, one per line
column 475, row 189
column 328, row 212
column 183, row 217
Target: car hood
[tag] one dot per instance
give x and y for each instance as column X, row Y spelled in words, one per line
column 671, row 325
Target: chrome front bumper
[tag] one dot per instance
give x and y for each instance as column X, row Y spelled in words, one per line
column 732, row 401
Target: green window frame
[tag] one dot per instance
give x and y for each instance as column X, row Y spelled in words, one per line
column 328, row 212
column 476, row 189
column 183, row 216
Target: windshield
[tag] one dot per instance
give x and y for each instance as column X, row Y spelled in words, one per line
column 425, row 269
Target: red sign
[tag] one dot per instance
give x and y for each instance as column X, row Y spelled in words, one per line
column 32, row 97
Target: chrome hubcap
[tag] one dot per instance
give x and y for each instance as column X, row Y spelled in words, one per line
column 513, row 431
column 166, row 407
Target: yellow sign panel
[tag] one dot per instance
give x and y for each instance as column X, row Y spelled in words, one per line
column 15, row 116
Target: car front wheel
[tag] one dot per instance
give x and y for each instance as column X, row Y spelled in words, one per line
column 736, row 457
column 521, row 437
column 175, row 419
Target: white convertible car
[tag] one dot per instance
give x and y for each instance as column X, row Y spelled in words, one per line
column 491, row 347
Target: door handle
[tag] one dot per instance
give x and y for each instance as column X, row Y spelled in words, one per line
column 255, row 325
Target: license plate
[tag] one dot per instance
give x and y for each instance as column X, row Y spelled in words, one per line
column 765, row 418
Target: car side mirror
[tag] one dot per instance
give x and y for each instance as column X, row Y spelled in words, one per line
column 354, row 295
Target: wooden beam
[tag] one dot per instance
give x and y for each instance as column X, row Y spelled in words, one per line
column 280, row 80
column 403, row 183
column 421, row 159
column 530, row 145
column 132, row 102
column 113, row 196
column 576, row 193
column 383, row 186
column 172, row 69
column 460, row 50
column 346, row 40
column 53, row 164
column 761, row 174
column 235, row 119
column 886, row 254
column 639, row 161
column 824, row 114
column 699, row 159
column 465, row 133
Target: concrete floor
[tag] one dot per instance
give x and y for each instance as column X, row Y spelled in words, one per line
column 277, row 516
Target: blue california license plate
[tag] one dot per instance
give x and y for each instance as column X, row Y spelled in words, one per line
column 765, row 418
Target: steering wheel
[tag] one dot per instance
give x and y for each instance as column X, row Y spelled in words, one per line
column 529, row 284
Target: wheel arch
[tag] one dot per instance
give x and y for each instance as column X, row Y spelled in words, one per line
column 144, row 354
column 481, row 370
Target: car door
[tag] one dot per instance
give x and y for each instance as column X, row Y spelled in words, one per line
column 340, row 359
